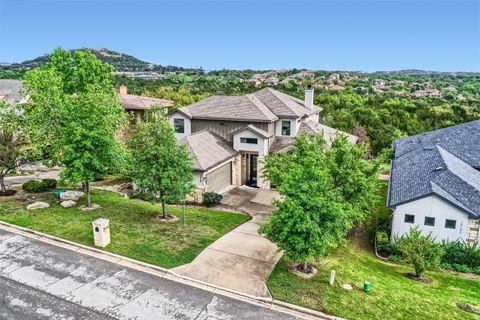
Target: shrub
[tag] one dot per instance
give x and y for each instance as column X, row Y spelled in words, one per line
column 458, row 252
column 460, row 268
column 476, row 270
column 50, row 183
column 422, row 251
column 395, row 257
column 35, row 186
column 211, row 199
column 446, row 266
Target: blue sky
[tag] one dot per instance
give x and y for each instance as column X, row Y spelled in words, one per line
column 330, row 35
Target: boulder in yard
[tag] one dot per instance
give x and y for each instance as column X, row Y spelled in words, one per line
column 37, row 205
column 68, row 203
column 71, row 195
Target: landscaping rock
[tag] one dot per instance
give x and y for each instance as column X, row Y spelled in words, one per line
column 37, row 205
column 347, row 286
column 68, row 203
column 92, row 207
column 71, row 195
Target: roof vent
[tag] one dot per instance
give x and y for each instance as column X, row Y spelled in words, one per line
column 439, row 168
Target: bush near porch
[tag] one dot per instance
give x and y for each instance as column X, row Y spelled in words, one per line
column 134, row 232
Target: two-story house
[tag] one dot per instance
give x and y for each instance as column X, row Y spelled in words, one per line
column 229, row 136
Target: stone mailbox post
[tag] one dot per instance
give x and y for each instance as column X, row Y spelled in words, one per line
column 101, row 232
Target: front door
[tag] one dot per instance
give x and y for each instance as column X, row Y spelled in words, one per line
column 252, row 174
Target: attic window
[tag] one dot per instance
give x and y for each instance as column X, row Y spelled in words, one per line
column 450, row 224
column 409, row 218
column 249, row 140
column 286, row 128
column 429, row 221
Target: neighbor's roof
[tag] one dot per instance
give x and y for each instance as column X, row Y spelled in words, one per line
column 207, row 149
column 329, row 133
column 444, row 162
column 10, row 91
column 133, row 102
column 266, row 105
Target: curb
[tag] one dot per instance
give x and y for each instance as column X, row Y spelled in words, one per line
column 167, row 273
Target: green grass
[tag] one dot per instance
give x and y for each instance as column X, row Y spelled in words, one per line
column 394, row 296
column 134, row 232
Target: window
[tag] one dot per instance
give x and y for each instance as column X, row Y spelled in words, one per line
column 429, row 221
column 179, row 125
column 285, row 128
column 409, row 218
column 249, row 140
column 450, row 224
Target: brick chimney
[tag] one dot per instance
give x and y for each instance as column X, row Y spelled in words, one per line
column 122, row 90
column 309, row 97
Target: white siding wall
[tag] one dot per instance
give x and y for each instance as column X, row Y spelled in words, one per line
column 261, row 147
column 198, row 179
column 314, row 117
column 188, row 126
column 431, row 206
column 294, row 125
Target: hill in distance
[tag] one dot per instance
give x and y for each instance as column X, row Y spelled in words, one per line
column 121, row 62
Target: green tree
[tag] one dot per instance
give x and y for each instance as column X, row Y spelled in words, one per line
column 74, row 116
column 421, row 251
column 325, row 191
column 12, row 139
column 180, row 97
column 161, row 167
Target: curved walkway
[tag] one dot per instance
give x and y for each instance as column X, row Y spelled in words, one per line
column 242, row 259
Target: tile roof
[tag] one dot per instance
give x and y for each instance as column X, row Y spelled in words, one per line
column 207, row 149
column 329, row 133
column 282, row 144
column 133, row 102
column 10, row 91
column 444, row 162
column 266, row 105
column 256, row 130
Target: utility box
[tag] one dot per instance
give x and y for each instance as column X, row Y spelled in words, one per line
column 101, row 232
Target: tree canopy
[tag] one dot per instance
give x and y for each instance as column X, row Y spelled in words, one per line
column 325, row 191
column 161, row 167
column 74, row 115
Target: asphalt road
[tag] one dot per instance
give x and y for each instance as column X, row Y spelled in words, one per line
column 43, row 281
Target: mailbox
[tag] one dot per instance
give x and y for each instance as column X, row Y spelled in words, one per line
column 101, row 232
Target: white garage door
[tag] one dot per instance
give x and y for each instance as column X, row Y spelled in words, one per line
column 219, row 179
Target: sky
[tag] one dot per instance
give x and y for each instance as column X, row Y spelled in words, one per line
column 272, row 34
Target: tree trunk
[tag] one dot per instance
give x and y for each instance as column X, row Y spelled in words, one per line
column 164, row 210
column 305, row 267
column 2, row 184
column 87, row 187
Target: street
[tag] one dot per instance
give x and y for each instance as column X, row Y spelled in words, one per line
column 42, row 281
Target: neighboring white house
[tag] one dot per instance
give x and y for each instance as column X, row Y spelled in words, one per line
column 435, row 183
column 252, row 126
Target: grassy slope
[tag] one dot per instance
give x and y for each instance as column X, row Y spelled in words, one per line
column 133, row 231
column 394, row 296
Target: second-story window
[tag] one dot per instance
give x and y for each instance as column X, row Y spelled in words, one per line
column 179, row 125
column 285, row 128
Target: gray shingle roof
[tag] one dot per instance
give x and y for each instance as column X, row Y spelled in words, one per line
column 265, row 105
column 207, row 149
column 282, row 144
column 440, row 162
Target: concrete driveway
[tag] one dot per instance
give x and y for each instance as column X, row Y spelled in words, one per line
column 39, row 280
column 242, row 259
column 47, row 174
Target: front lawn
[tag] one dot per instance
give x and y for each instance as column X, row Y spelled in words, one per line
column 134, row 232
column 393, row 295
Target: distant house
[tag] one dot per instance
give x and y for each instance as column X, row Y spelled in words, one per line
column 271, row 81
column 435, row 183
column 334, row 77
column 137, row 105
column 379, row 83
column 230, row 136
column 420, row 93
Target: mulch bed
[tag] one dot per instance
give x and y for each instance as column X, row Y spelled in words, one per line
column 413, row 276
column 169, row 218
column 297, row 269
column 7, row 193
